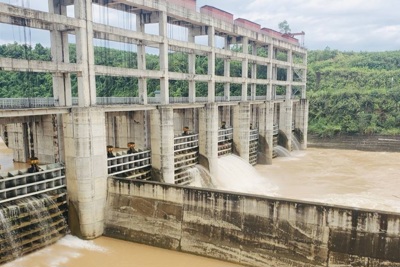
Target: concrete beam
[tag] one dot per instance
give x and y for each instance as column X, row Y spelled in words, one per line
column 7, row 116
column 37, row 19
column 11, row 64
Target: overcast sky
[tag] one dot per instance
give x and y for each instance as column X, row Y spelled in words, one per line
column 350, row 25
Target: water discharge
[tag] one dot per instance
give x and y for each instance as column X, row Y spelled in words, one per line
column 281, row 151
column 235, row 174
column 295, row 143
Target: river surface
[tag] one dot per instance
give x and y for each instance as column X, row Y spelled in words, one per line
column 341, row 177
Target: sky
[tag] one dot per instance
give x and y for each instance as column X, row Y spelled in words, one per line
column 347, row 25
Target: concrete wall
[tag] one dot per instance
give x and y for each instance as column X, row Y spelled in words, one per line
column 248, row 229
column 359, row 142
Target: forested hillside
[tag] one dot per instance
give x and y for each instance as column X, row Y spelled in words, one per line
column 353, row 92
column 349, row 92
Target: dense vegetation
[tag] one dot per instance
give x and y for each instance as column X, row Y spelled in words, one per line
column 353, row 92
column 349, row 92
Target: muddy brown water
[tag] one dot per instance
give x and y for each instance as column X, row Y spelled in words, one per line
column 344, row 177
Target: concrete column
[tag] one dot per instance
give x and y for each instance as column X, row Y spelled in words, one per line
column 110, row 128
column 60, row 53
column 138, row 129
column 241, row 129
column 304, row 87
column 141, row 58
column 227, row 72
column 270, row 74
column 18, row 141
column 164, row 80
column 208, row 138
column 121, row 126
column 289, row 77
column 162, row 144
column 211, row 64
column 85, row 54
column 86, row 169
column 254, row 73
column 285, row 121
column 245, row 67
column 192, row 68
column 266, row 126
column 302, row 121
column 47, row 136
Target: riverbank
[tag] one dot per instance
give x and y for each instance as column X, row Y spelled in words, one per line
column 383, row 143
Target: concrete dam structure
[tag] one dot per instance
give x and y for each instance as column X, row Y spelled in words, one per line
column 248, row 101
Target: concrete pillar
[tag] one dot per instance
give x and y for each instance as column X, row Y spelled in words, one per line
column 304, row 87
column 285, row 121
column 266, row 127
column 48, row 139
column 60, row 53
column 211, row 64
column 302, row 121
column 162, row 144
column 121, row 126
column 18, row 141
column 141, row 58
column 253, row 73
column 208, row 138
column 245, row 67
column 138, row 129
column 85, row 54
column 192, row 68
column 289, row 77
column 227, row 72
column 270, row 74
column 241, row 129
column 110, row 128
column 86, row 169
column 164, row 80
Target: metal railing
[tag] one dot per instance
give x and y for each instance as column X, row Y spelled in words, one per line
column 43, row 102
column 253, row 135
column 130, row 165
column 16, row 185
column 186, row 149
column 225, row 134
column 117, row 100
column 275, row 130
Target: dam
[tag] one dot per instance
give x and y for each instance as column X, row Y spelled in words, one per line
column 242, row 91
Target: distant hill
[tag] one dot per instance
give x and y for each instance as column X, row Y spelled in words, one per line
column 353, row 92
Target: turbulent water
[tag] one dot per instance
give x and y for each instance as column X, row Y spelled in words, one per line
column 342, row 177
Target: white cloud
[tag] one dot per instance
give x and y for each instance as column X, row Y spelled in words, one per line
column 340, row 24
column 356, row 25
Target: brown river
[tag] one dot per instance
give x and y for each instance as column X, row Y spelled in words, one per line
column 341, row 177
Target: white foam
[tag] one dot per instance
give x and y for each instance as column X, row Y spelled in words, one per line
column 235, row 174
column 75, row 242
column 75, row 248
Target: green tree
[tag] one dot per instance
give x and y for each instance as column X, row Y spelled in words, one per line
column 284, row 27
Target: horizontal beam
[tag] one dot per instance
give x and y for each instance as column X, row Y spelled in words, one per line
column 11, row 64
column 8, row 116
column 37, row 19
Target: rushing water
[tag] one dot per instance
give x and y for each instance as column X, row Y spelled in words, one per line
column 342, row 177
column 345, row 177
